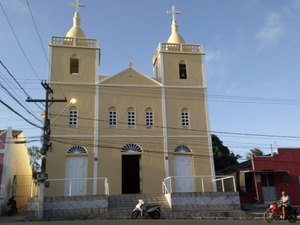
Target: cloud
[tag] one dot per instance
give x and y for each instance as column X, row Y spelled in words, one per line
column 272, row 31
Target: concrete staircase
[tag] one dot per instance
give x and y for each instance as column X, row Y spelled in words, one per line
column 121, row 206
column 184, row 205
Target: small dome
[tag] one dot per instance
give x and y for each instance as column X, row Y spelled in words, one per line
column 75, row 30
column 175, row 37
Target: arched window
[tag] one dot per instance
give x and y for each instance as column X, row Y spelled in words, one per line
column 112, row 114
column 74, row 65
column 182, row 70
column 131, row 117
column 185, row 120
column 73, row 115
column 182, row 149
column 131, row 148
column 149, row 118
column 77, row 149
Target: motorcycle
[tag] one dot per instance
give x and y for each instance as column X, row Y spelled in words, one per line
column 12, row 206
column 140, row 210
column 274, row 212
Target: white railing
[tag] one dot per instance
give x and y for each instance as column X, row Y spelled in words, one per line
column 70, row 41
column 201, row 183
column 68, row 185
column 184, row 48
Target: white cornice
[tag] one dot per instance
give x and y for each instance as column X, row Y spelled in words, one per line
column 125, row 85
column 128, row 136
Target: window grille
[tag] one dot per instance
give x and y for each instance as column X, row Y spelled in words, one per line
column 149, row 119
column 73, row 115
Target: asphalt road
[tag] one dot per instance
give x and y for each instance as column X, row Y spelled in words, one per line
column 144, row 222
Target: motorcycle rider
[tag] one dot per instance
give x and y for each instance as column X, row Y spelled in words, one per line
column 285, row 203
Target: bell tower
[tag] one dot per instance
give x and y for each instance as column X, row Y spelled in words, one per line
column 179, row 68
column 73, row 73
column 178, row 63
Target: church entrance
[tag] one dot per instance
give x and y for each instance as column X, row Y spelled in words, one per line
column 183, row 172
column 76, row 173
column 131, row 174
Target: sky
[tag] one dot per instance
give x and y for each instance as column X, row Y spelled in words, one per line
column 252, row 67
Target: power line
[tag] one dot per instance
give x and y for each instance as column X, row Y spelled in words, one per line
column 12, row 76
column 15, row 35
column 28, row 121
column 176, row 94
column 40, row 39
column 19, row 103
column 196, row 130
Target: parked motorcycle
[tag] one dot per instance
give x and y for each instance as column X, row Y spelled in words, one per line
column 141, row 210
column 12, row 206
column 274, row 212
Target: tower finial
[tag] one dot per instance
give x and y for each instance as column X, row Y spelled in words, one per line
column 173, row 12
column 130, row 59
column 175, row 36
column 76, row 31
column 77, row 4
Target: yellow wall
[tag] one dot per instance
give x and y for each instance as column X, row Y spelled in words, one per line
column 129, row 88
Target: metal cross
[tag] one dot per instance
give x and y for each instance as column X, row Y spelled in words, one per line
column 77, row 4
column 173, row 12
column 130, row 59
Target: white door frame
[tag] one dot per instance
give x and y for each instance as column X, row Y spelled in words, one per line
column 184, row 173
column 76, row 167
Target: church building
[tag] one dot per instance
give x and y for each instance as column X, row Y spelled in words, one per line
column 130, row 132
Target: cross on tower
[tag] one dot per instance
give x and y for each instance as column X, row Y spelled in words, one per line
column 77, row 4
column 130, row 59
column 173, row 12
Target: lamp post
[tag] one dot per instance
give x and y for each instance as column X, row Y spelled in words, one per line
column 43, row 176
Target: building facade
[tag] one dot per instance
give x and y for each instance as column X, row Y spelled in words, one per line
column 15, row 169
column 263, row 178
column 132, row 129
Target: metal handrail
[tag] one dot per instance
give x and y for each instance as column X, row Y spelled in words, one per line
column 106, row 185
column 213, row 179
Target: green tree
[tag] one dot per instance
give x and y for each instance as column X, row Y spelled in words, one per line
column 254, row 151
column 223, row 157
column 35, row 159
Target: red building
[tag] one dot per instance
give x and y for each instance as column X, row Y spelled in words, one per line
column 263, row 178
column 273, row 174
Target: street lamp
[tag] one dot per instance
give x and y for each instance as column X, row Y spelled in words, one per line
column 71, row 102
column 43, row 176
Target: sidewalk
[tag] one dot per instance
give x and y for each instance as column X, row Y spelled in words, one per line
column 252, row 212
column 249, row 215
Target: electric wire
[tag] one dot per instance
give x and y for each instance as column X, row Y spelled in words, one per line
column 28, row 121
column 19, row 43
column 41, row 42
column 19, row 103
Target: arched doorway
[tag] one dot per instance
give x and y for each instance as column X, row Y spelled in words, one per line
column 76, row 171
column 183, row 169
column 131, row 169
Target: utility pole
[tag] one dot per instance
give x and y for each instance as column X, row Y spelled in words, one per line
column 43, row 176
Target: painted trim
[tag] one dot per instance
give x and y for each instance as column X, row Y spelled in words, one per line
column 96, row 129
column 164, row 117
column 127, row 85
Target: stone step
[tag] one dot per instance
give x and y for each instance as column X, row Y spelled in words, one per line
column 123, row 201
column 121, row 206
column 185, row 205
